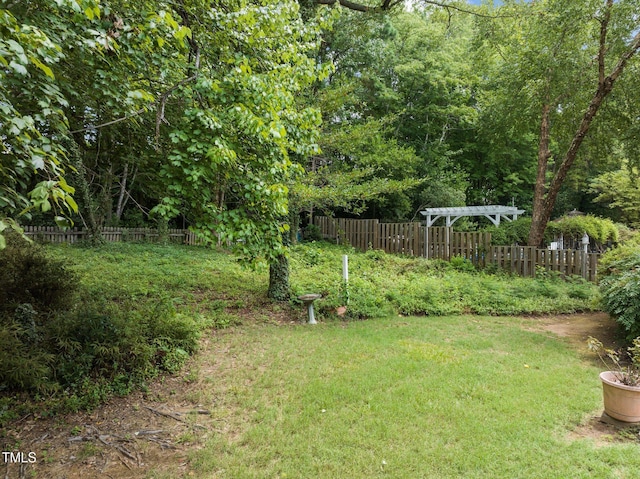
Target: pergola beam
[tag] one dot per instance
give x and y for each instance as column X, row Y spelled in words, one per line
column 452, row 214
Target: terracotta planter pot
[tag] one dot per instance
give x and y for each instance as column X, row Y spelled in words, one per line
column 621, row 402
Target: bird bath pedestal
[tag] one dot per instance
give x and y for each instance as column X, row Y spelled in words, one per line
column 308, row 300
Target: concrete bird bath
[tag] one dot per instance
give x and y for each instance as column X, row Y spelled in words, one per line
column 308, row 300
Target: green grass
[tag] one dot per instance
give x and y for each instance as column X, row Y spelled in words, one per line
column 446, row 397
column 142, row 307
column 380, row 284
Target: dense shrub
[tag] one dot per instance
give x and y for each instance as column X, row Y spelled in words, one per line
column 600, row 230
column 312, row 232
column 106, row 340
column 78, row 346
column 29, row 276
column 510, row 232
column 620, row 287
column 100, row 348
column 383, row 284
column 33, row 288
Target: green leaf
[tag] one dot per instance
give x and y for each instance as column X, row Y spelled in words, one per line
column 63, row 222
column 47, row 71
column 71, row 203
column 65, row 186
column 18, row 68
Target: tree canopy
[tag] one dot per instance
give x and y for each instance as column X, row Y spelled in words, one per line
column 235, row 118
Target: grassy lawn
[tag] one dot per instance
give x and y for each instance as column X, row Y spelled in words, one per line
column 420, row 389
column 446, row 397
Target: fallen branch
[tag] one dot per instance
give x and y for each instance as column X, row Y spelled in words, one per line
column 172, row 415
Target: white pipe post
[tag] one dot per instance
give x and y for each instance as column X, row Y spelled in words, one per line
column 345, row 278
column 345, row 268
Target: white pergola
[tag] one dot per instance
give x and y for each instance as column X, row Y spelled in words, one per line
column 453, row 214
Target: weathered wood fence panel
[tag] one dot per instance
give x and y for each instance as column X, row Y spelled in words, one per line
column 53, row 234
column 444, row 243
column 405, row 238
column 400, row 238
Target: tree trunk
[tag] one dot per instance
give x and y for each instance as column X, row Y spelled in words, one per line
column 279, row 279
column 294, row 223
column 279, row 289
column 82, row 185
column 539, row 220
column 122, row 195
column 544, row 201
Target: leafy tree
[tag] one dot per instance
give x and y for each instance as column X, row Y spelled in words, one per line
column 402, row 93
column 620, row 190
column 558, row 62
column 33, row 159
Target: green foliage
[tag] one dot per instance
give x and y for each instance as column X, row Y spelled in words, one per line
column 382, row 284
column 510, row 232
column 108, row 341
column 30, row 276
column 359, row 167
column 620, row 191
column 312, row 233
column 229, row 162
column 600, row 230
column 398, row 108
column 460, row 263
column 619, row 258
column 32, row 158
column 76, row 344
column 620, row 287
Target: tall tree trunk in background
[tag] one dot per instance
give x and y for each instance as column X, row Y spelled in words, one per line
column 122, row 196
column 544, row 201
column 539, row 219
column 87, row 206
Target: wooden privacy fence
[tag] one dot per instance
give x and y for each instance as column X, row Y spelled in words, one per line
column 444, row 243
column 53, row 234
column 523, row 260
column 406, row 238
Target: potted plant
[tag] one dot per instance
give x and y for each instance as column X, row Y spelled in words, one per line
column 621, row 384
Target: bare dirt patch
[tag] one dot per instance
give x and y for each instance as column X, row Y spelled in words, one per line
column 126, row 438
column 576, row 329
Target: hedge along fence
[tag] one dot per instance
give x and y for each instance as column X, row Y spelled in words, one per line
column 444, row 243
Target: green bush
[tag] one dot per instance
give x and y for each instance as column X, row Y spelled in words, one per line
column 29, row 276
column 600, row 230
column 620, row 287
column 381, row 284
column 460, row 263
column 312, row 232
column 78, row 345
column 510, row 232
column 106, row 340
